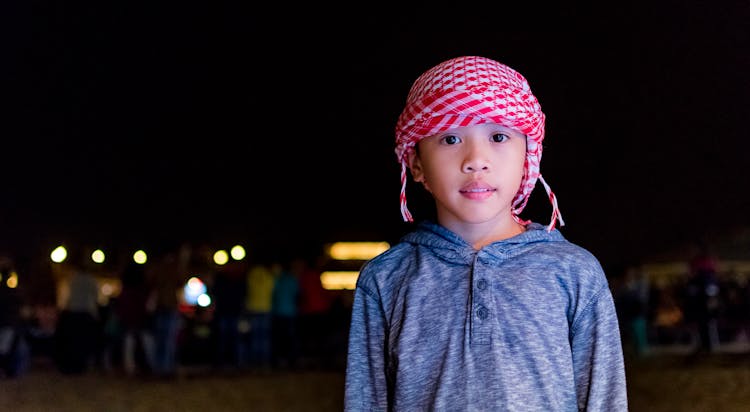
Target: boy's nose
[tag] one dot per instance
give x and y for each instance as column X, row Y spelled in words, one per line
column 475, row 162
column 475, row 166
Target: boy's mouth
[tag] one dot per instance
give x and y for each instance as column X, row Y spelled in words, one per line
column 477, row 187
column 477, row 191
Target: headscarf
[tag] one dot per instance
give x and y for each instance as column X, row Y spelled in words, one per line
column 467, row 91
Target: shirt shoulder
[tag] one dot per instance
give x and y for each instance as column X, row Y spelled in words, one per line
column 386, row 269
column 574, row 267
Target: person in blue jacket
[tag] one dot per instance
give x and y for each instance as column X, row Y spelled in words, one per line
column 479, row 309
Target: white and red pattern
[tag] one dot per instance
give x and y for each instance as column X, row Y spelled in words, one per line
column 471, row 90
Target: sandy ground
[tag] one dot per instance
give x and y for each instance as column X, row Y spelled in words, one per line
column 45, row 389
column 717, row 383
column 676, row 383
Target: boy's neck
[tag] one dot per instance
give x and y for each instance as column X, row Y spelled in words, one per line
column 482, row 234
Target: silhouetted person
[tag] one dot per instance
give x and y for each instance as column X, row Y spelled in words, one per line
column 134, row 311
column 702, row 298
column 634, row 300
column 228, row 296
column 14, row 348
column 77, row 330
column 260, row 282
column 168, row 278
column 284, row 305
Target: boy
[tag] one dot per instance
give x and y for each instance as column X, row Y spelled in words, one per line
column 481, row 310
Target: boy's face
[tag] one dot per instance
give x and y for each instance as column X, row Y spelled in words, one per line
column 472, row 172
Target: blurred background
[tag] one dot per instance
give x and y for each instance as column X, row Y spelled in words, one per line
column 161, row 158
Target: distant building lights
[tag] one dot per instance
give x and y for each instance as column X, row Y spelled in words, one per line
column 356, row 250
column 336, row 280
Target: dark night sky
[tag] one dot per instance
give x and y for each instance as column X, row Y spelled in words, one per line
column 220, row 121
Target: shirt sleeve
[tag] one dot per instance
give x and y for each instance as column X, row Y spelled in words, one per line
column 597, row 357
column 366, row 387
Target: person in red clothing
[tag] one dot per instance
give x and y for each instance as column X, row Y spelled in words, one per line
column 313, row 311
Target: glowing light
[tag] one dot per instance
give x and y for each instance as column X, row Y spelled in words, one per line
column 98, row 256
column 204, row 300
column 194, row 283
column 335, row 280
column 237, row 252
column 12, row 281
column 59, row 254
column 357, row 250
column 193, row 289
column 221, row 257
column 140, row 257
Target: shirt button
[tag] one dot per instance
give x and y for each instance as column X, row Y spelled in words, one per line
column 482, row 284
column 482, row 313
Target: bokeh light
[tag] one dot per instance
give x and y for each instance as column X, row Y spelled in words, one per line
column 59, row 254
column 98, row 256
column 140, row 257
column 194, row 288
column 221, row 257
column 12, row 280
column 237, row 252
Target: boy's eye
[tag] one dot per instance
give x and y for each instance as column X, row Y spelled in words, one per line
column 500, row 137
column 451, row 139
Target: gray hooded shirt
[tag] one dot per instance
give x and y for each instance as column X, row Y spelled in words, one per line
column 523, row 324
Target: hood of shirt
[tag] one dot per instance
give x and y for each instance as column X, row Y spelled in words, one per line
column 451, row 247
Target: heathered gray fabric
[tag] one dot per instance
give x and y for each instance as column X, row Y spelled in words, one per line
column 524, row 324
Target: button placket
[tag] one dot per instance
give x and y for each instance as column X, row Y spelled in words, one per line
column 482, row 312
column 480, row 330
column 482, row 284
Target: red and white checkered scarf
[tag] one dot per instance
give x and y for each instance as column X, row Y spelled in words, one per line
column 471, row 90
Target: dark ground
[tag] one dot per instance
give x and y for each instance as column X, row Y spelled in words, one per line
column 659, row 383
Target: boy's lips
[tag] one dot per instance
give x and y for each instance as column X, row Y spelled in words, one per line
column 477, row 191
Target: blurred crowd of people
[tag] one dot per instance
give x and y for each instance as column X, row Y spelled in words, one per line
column 275, row 314
column 701, row 310
column 262, row 315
